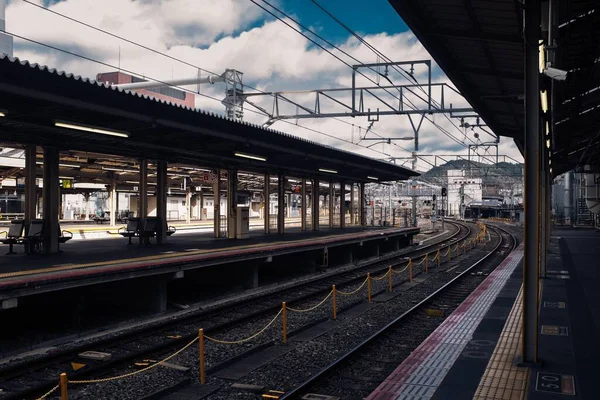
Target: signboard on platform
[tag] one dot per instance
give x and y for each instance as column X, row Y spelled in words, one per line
column 555, row 330
column 209, row 177
column 555, row 383
column 67, row 183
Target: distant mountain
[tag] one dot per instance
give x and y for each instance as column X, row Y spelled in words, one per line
column 491, row 174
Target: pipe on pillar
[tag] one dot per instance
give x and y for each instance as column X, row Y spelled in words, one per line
column 267, row 202
column 161, row 201
column 303, row 205
column 533, row 161
column 231, row 203
column 342, row 205
column 361, row 204
column 315, row 204
column 331, row 203
column 30, row 187
column 280, row 204
column 217, row 204
column 352, row 222
column 51, row 200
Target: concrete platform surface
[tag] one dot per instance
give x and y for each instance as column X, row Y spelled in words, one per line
column 105, row 256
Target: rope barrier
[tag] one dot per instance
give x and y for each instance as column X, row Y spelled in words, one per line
column 382, row 276
column 311, row 308
column 54, row 389
column 354, row 291
column 422, row 261
column 248, row 338
column 115, row 378
column 402, row 270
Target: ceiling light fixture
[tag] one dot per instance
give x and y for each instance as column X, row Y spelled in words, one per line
column 68, row 165
column 250, row 156
column 544, row 100
column 2, row 114
column 92, row 129
column 118, row 169
column 331, row 171
column 373, row 177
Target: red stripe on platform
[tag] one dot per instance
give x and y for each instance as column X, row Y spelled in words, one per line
column 115, row 268
column 390, row 388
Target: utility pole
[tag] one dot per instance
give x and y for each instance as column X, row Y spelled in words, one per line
column 414, row 204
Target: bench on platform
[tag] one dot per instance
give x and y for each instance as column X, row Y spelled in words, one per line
column 13, row 235
column 131, row 230
column 171, row 230
column 34, row 237
column 62, row 238
column 146, row 232
column 149, row 229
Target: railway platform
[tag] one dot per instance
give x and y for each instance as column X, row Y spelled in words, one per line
column 198, row 257
column 474, row 353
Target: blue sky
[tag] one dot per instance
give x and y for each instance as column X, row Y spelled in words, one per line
column 372, row 17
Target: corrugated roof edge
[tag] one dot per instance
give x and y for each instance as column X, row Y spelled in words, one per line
column 69, row 75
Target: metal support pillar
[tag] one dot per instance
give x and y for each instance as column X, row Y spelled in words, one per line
column 303, row 204
column 414, row 207
column 542, row 205
column 361, row 204
column 315, row 204
column 217, row 204
column 342, row 205
column 267, row 202
column 331, row 203
column 51, row 199
column 188, row 205
column 532, row 183
column 161, row 201
column 352, row 221
column 280, row 204
column 113, row 203
column 143, row 192
column 30, row 187
column 231, row 203
column 568, row 200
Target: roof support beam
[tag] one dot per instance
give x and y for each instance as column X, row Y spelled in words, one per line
column 476, row 35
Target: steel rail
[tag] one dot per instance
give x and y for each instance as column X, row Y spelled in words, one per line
column 337, row 363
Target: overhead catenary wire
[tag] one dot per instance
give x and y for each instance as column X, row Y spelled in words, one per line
column 208, row 71
column 188, row 64
column 444, row 131
column 87, row 58
column 399, row 70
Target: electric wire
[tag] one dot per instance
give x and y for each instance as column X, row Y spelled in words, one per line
column 87, row 58
column 162, row 54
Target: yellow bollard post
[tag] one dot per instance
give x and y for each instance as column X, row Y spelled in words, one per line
column 410, row 270
column 201, row 354
column 369, row 286
column 427, row 263
column 63, row 387
column 284, row 320
column 438, row 256
column 334, row 301
column 390, row 273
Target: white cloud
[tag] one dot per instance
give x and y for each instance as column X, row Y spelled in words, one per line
column 218, row 34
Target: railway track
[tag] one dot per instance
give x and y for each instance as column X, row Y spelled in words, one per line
column 359, row 371
column 33, row 378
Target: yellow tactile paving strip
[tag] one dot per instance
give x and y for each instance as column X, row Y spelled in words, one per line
column 176, row 255
column 502, row 378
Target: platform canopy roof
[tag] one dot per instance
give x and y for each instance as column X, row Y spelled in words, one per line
column 34, row 99
column 479, row 45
